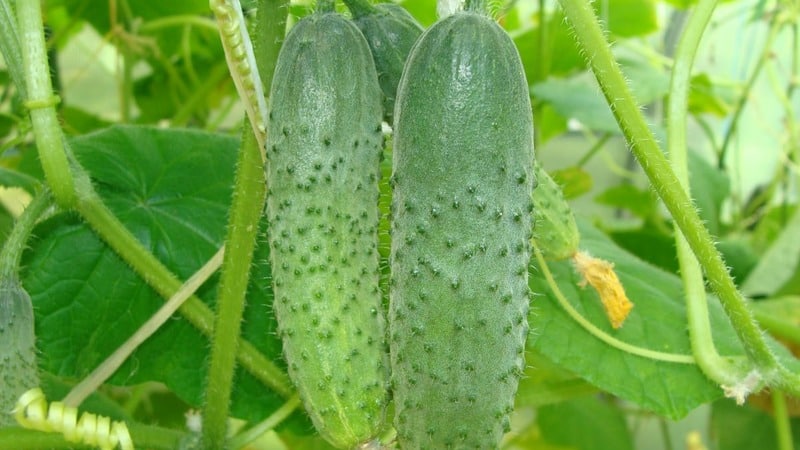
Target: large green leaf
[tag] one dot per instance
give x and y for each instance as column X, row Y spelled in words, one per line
column 585, row 424
column 171, row 188
column 626, row 18
column 745, row 427
column 657, row 322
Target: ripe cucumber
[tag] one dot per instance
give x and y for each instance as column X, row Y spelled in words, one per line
column 391, row 32
column 556, row 231
column 324, row 146
column 461, row 229
column 18, row 370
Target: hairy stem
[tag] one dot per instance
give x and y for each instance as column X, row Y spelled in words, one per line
column 41, row 101
column 643, row 145
column 783, row 427
column 72, row 189
column 248, row 201
column 711, row 363
column 17, row 240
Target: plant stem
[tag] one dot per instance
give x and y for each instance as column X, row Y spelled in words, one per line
column 270, row 32
column 241, row 61
column 166, row 284
column 17, row 240
column 144, row 436
column 713, row 366
column 246, row 209
column 49, row 139
column 643, row 145
column 107, row 368
column 73, row 189
column 783, row 427
column 597, row 332
column 10, row 46
column 250, row 435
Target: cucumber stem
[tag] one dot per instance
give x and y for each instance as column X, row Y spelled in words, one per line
column 16, row 243
column 718, row 369
column 245, row 215
column 477, row 6
column 360, row 8
column 326, row 6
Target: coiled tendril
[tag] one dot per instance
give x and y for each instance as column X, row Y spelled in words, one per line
column 32, row 411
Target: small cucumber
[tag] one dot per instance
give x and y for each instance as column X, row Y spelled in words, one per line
column 324, row 146
column 461, row 229
column 556, row 232
column 391, row 32
column 18, row 370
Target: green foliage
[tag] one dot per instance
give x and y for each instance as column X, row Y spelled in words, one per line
column 160, row 65
column 179, row 215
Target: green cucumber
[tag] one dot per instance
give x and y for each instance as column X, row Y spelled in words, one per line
column 18, row 370
column 556, row 231
column 391, row 32
column 324, row 145
column 461, row 229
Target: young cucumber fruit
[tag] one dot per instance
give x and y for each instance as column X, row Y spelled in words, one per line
column 461, row 229
column 324, row 144
column 556, row 231
column 391, row 32
column 18, row 370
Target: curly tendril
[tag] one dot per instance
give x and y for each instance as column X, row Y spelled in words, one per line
column 33, row 412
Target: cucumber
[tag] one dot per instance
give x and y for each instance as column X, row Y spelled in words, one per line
column 556, row 231
column 324, row 145
column 390, row 32
column 18, row 370
column 461, row 229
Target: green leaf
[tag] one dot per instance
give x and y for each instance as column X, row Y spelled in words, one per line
column 706, row 97
column 585, row 424
column 650, row 244
column 626, row 18
column 641, row 203
column 171, row 189
column 559, row 56
column 710, row 188
column 545, row 383
column 578, row 97
column 574, row 181
column 657, row 322
column 745, row 427
column 779, row 263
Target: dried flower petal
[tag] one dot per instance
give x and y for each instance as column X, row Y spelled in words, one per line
column 600, row 274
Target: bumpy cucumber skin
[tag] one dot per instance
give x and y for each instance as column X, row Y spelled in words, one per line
column 18, row 370
column 461, row 224
column 556, row 231
column 391, row 33
column 324, row 146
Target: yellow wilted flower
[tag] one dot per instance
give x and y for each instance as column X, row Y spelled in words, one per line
column 600, row 274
